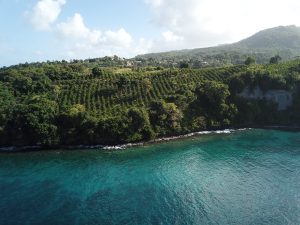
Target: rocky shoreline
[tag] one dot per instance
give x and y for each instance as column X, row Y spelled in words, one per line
column 130, row 145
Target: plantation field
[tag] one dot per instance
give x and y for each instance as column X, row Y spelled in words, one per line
column 105, row 93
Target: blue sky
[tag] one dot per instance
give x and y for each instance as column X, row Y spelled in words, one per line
column 39, row 30
column 20, row 41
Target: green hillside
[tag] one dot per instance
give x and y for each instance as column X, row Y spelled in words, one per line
column 278, row 38
column 60, row 103
column 103, row 93
column 283, row 40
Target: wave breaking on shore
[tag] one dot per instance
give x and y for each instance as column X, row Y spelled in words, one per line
column 166, row 139
column 123, row 146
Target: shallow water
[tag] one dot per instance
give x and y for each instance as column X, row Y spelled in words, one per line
column 247, row 177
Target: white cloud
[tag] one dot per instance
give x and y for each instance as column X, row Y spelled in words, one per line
column 76, row 38
column 82, row 41
column 45, row 13
column 169, row 36
column 201, row 23
column 185, row 24
column 167, row 41
column 118, row 38
column 74, row 28
column 143, row 46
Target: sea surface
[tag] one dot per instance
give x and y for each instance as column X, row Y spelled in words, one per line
column 246, row 177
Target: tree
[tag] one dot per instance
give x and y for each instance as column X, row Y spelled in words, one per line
column 275, row 60
column 7, row 100
column 236, row 84
column 165, row 117
column 76, row 110
column 33, row 122
column 56, row 90
column 23, row 84
column 249, row 61
column 147, row 85
column 70, row 122
column 123, row 82
column 97, row 71
column 139, row 125
column 112, row 130
column 213, row 93
column 7, row 103
column 41, row 83
column 198, row 123
column 212, row 102
column 184, row 65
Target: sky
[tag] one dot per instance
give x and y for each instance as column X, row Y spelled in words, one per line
column 41, row 30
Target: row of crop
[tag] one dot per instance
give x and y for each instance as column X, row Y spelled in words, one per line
column 102, row 96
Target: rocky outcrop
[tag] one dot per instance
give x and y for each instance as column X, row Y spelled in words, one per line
column 283, row 98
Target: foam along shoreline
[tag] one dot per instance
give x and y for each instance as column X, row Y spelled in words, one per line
column 123, row 146
column 166, row 139
column 130, row 145
column 194, row 134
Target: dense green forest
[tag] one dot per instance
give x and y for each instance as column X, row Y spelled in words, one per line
column 104, row 102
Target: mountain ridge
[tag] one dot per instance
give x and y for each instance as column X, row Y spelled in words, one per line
column 281, row 40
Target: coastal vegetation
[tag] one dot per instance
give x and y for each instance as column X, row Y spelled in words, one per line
column 79, row 102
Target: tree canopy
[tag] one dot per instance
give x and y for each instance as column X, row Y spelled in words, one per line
column 83, row 102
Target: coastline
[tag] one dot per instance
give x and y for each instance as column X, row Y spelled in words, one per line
column 13, row 149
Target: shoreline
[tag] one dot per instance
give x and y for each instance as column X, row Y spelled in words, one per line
column 13, row 149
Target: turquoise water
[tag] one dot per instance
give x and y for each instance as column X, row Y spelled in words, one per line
column 247, row 177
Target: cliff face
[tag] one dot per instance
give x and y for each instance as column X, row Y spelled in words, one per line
column 283, row 98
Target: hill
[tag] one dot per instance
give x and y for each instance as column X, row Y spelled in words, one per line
column 278, row 38
column 283, row 40
column 60, row 103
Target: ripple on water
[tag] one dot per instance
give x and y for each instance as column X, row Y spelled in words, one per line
column 246, row 177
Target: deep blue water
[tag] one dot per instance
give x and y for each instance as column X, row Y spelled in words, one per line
column 247, row 177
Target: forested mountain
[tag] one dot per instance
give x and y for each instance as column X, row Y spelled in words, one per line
column 283, row 40
column 83, row 102
column 278, row 38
